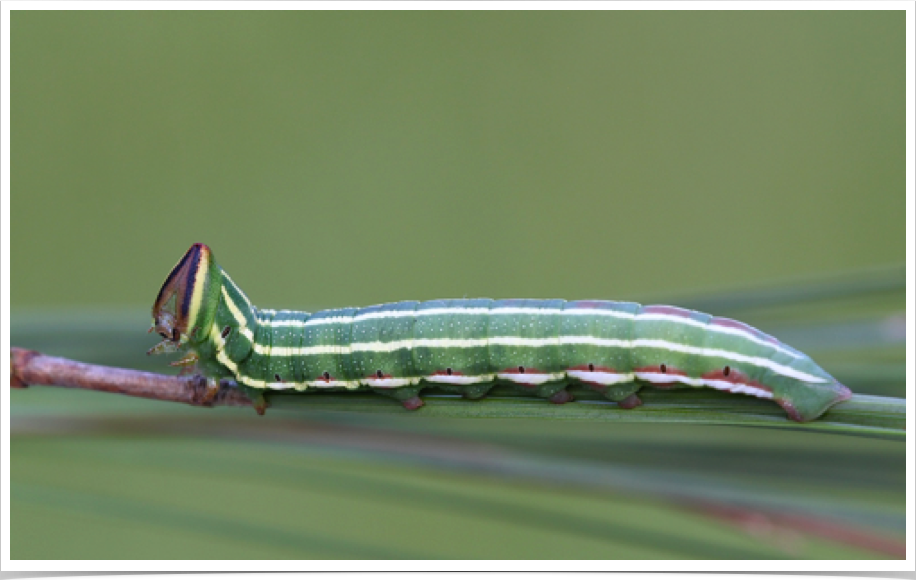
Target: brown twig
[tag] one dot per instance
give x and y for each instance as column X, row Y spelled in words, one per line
column 28, row 367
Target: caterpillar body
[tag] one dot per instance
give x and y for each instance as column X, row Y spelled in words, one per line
column 468, row 346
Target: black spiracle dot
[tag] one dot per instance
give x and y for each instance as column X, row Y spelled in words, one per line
column 521, row 369
column 591, row 368
column 726, row 371
column 448, row 371
column 326, row 375
column 379, row 373
column 279, row 380
column 663, row 368
column 225, row 332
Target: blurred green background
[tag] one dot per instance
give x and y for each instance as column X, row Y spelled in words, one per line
column 747, row 163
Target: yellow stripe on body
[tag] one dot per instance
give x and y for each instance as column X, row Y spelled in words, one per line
column 515, row 341
column 240, row 319
column 535, row 343
column 220, row 344
column 715, row 329
column 221, row 356
column 237, row 289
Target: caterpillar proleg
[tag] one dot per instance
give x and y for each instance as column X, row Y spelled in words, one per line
column 468, row 346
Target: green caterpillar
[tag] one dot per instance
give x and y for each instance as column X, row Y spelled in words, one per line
column 468, row 346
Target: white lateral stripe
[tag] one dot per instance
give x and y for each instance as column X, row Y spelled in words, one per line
column 459, row 379
column 262, row 313
column 221, row 356
column 526, row 378
column 304, row 351
column 601, row 378
column 322, row 384
column 539, row 311
column 475, row 343
column 720, row 385
column 228, row 362
column 516, row 341
column 240, row 319
column 391, row 383
column 440, row 311
column 531, row 378
column 715, row 352
column 719, row 330
column 281, row 386
column 237, row 289
column 309, row 322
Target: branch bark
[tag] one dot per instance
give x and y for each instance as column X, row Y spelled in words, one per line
column 28, row 367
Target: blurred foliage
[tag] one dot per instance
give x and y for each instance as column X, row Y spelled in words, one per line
column 750, row 164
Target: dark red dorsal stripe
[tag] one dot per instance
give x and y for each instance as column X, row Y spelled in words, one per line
column 729, row 323
column 669, row 310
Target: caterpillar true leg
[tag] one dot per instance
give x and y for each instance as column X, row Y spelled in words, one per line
column 188, row 361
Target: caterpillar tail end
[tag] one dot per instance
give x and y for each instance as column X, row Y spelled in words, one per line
column 814, row 402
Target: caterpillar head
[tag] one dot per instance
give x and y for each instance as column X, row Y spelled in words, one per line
column 187, row 300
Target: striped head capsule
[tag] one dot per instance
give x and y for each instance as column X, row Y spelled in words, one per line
column 187, row 300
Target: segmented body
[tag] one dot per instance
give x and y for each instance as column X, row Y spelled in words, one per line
column 470, row 345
